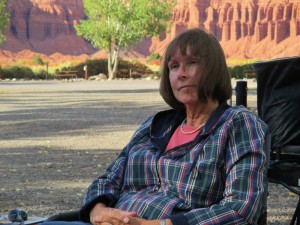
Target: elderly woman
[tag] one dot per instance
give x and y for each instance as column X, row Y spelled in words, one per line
column 201, row 162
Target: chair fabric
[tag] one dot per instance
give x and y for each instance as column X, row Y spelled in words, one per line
column 278, row 99
column 278, row 104
column 65, row 216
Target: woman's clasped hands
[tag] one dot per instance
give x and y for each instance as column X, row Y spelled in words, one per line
column 102, row 215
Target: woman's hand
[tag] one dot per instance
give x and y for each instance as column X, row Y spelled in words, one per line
column 139, row 221
column 102, row 215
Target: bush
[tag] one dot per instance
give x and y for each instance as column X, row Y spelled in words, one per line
column 95, row 67
column 41, row 74
column 125, row 68
column 17, row 72
column 237, row 72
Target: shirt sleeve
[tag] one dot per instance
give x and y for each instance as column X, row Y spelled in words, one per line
column 107, row 188
column 245, row 176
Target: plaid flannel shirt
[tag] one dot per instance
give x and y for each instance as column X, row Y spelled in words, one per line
column 219, row 178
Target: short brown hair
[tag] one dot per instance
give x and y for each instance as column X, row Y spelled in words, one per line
column 215, row 80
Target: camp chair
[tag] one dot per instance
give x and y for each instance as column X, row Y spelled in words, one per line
column 278, row 104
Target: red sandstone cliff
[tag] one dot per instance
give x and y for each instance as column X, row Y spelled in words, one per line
column 245, row 28
column 46, row 26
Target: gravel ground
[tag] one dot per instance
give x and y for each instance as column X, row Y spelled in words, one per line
column 57, row 136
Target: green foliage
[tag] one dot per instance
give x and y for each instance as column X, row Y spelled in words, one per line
column 122, row 22
column 132, row 69
column 40, row 74
column 95, row 67
column 17, row 72
column 154, row 56
column 4, row 18
column 115, row 24
column 237, row 72
column 38, row 60
column 98, row 66
column 248, row 67
column 127, row 69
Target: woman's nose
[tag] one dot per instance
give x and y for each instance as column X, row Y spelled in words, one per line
column 182, row 72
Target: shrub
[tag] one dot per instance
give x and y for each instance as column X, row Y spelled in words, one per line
column 237, row 72
column 18, row 72
column 125, row 68
column 95, row 67
column 41, row 74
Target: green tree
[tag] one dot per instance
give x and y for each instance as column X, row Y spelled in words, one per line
column 4, row 17
column 116, row 24
column 37, row 60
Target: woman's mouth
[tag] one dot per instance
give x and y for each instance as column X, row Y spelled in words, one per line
column 185, row 86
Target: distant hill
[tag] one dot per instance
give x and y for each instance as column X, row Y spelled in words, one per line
column 246, row 28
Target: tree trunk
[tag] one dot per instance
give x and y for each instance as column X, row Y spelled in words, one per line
column 113, row 62
column 110, row 67
column 115, row 66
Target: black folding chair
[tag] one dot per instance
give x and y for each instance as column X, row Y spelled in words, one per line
column 278, row 104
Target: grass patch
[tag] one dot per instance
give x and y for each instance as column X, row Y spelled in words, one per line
column 235, row 62
column 154, row 68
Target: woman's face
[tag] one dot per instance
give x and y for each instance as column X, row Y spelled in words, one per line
column 184, row 77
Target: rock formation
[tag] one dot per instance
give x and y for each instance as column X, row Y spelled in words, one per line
column 46, row 26
column 245, row 28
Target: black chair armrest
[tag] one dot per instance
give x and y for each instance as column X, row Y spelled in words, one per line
column 65, row 216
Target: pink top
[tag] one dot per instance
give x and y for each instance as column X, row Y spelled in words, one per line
column 179, row 138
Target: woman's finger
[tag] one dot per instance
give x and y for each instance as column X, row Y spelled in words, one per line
column 104, row 223
column 109, row 219
column 113, row 216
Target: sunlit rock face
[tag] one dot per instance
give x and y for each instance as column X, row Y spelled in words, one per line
column 245, row 28
column 46, row 26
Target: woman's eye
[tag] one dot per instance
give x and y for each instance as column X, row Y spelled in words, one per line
column 192, row 62
column 173, row 66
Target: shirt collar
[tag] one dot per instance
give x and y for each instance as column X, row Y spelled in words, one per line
column 165, row 122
